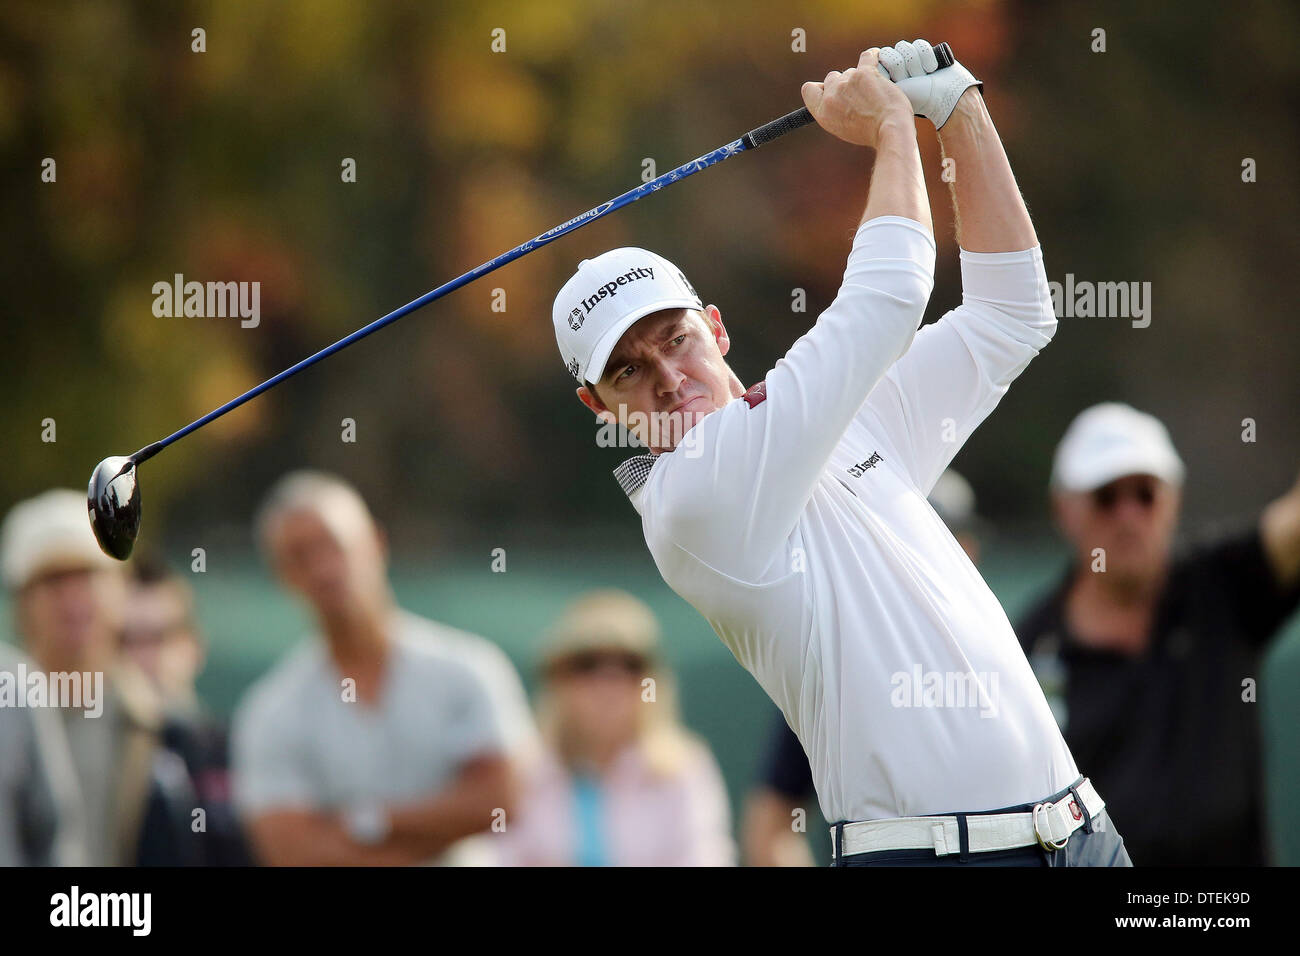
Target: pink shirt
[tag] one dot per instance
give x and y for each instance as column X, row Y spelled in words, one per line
column 647, row 819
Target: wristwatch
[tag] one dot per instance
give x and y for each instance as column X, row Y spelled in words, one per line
column 367, row 823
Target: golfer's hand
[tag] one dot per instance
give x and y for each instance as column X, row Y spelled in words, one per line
column 857, row 104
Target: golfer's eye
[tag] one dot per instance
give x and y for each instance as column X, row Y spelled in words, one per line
column 679, row 340
column 623, row 376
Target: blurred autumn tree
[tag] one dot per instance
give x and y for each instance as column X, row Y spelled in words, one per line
column 225, row 165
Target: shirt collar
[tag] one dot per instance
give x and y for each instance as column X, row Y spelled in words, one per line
column 632, row 476
column 635, row 471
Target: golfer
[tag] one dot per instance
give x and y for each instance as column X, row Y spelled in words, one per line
column 792, row 514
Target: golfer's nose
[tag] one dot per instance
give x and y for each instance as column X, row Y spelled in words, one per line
column 668, row 376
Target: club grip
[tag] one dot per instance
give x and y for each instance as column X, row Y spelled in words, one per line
column 942, row 54
column 777, row 128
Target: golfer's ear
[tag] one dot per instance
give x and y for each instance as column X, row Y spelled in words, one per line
column 595, row 404
column 719, row 330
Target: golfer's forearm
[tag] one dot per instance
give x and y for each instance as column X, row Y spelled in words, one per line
column 990, row 212
column 897, row 181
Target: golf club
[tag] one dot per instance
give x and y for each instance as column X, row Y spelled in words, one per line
column 113, row 496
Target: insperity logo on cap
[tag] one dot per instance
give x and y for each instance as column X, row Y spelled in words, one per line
column 605, row 297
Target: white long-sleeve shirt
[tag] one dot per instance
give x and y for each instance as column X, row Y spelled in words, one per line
column 795, row 520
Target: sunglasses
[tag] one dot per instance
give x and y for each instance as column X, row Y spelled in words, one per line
column 1107, row 497
column 152, row 636
column 591, row 662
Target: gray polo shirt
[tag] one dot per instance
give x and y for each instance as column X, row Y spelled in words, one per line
column 297, row 744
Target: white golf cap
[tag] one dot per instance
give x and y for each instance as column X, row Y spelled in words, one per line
column 48, row 532
column 605, row 297
column 1109, row 441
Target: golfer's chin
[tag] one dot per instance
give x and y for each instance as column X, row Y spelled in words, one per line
column 678, row 423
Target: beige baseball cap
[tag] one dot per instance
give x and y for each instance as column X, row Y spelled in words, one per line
column 1109, row 441
column 607, row 619
column 605, row 297
column 46, row 533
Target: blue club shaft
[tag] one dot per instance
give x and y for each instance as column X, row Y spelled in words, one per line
column 751, row 140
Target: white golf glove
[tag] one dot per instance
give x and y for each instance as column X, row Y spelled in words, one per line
column 933, row 92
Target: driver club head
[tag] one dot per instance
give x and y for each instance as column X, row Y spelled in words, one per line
column 113, row 500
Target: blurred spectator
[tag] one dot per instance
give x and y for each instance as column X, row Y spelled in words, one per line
column 953, row 499
column 379, row 742
column 622, row 783
column 161, row 637
column 1144, row 654
column 127, row 799
column 785, row 785
column 29, row 809
column 780, row 797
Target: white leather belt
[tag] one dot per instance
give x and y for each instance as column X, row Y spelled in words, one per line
column 1047, row 825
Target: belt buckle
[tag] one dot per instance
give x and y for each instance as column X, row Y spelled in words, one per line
column 1050, row 845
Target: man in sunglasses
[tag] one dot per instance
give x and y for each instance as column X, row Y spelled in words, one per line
column 1144, row 653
